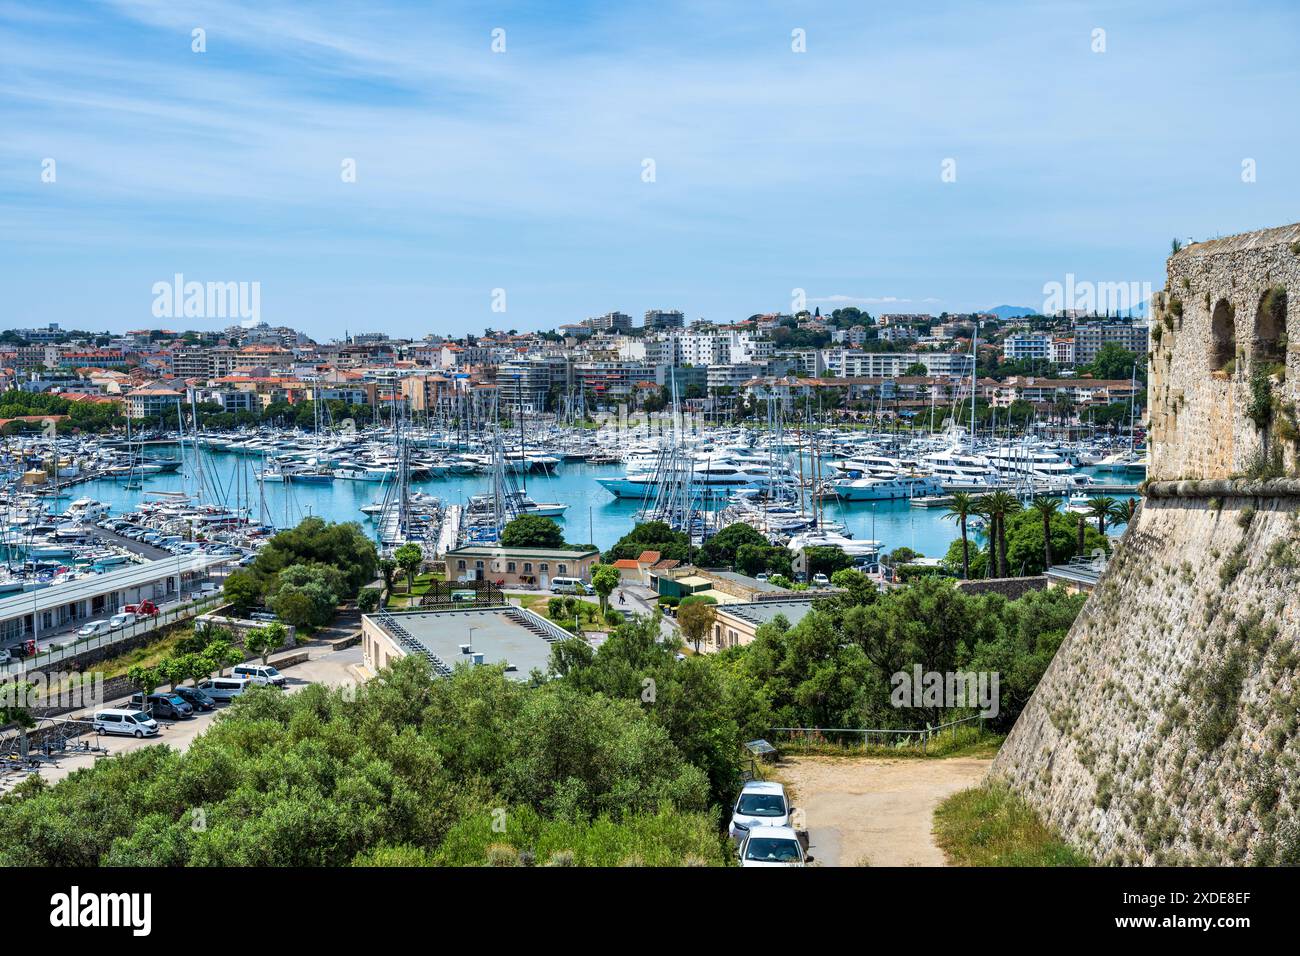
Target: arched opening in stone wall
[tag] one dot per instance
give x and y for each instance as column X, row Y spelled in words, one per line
column 1223, row 337
column 1270, row 326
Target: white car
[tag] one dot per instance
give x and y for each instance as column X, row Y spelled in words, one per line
column 93, row 628
column 760, row 804
column 129, row 723
column 264, row 675
column 5, row 656
column 820, row 580
column 773, row 846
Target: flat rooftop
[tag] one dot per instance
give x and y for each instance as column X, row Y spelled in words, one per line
column 764, row 612
column 93, row 585
column 492, row 631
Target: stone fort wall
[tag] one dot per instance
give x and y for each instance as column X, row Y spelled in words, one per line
column 1167, row 727
column 1213, row 328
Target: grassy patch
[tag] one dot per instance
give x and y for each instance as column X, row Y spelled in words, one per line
column 966, row 742
column 146, row 656
column 991, row 826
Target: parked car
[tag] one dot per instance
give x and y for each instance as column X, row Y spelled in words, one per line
column 263, row 675
column 130, row 723
column 5, row 656
column 166, row 706
column 262, row 616
column 196, row 698
column 224, row 688
column 568, row 586
column 773, row 846
column 120, row 620
column 93, row 628
column 760, row 804
column 761, row 576
column 820, row 580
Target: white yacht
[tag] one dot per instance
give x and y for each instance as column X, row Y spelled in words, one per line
column 886, row 489
column 955, row 467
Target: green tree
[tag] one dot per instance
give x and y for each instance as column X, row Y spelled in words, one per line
column 343, row 547
column 720, row 551
column 999, row 505
column 1124, row 511
column 409, row 557
column 243, row 591
column 651, row 536
column 825, row 559
column 388, row 568
column 696, row 620
column 604, row 579
column 1101, row 507
column 144, row 679
column 960, row 510
column 263, row 641
column 1046, row 507
column 1114, row 362
column 15, row 697
column 532, row 531
column 219, row 655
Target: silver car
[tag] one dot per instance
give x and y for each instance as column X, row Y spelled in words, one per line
column 760, row 804
column 773, row 846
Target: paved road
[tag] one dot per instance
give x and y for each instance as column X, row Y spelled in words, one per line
column 113, row 539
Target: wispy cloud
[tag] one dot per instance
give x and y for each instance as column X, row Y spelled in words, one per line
column 773, row 170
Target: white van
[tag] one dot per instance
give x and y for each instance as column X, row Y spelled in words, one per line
column 130, row 723
column 264, row 675
column 224, row 688
column 568, row 586
column 93, row 629
column 119, row 621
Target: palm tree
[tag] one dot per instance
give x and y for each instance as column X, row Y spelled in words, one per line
column 982, row 507
column 1002, row 503
column 1124, row 511
column 1101, row 508
column 961, row 508
column 1047, row 508
column 1083, row 523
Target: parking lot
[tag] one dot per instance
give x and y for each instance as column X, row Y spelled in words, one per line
column 870, row 811
column 325, row 666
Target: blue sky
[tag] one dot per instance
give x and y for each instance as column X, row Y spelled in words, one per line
column 774, row 170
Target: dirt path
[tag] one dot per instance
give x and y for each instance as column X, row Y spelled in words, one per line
column 872, row 810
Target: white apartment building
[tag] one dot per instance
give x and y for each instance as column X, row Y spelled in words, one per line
column 1063, row 351
column 1027, row 345
column 1088, row 339
column 733, row 376
column 852, row 363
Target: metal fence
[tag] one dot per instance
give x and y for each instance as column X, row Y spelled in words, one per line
column 873, row 737
column 71, row 646
column 457, row 592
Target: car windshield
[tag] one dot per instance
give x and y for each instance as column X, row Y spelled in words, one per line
column 139, row 716
column 272, row 672
column 176, row 699
column 761, row 804
column 770, row 850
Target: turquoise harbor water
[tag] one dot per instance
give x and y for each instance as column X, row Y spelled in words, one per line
column 593, row 514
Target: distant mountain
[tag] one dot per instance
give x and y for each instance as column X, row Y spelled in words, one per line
column 1011, row 311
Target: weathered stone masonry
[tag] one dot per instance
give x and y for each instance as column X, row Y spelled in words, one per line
column 1167, row 728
